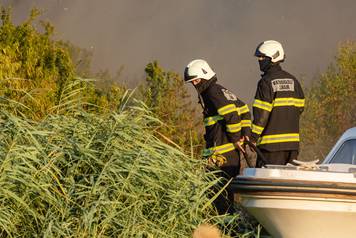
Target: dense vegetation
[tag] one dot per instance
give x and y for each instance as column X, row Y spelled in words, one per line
column 89, row 176
column 330, row 105
column 84, row 158
column 165, row 94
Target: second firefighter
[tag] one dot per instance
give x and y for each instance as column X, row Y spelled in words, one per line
column 226, row 118
column 279, row 102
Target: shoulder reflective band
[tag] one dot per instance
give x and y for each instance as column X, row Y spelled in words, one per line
column 269, row 139
column 262, row 105
column 243, row 109
column 245, row 123
column 208, row 121
column 233, row 128
column 227, row 109
column 257, row 129
column 221, row 149
column 279, row 102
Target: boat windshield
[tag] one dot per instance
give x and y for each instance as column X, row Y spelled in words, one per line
column 346, row 153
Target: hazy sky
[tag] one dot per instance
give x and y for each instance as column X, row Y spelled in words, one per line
column 131, row 33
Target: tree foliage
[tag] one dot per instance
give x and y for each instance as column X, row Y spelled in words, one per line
column 165, row 93
column 330, row 105
column 36, row 71
column 33, row 68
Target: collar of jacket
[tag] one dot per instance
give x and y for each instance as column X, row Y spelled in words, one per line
column 273, row 68
column 205, row 84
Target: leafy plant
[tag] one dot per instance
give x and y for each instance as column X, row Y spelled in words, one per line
column 36, row 71
column 330, row 105
column 165, row 93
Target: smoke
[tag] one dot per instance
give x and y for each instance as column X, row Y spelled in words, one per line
column 131, row 33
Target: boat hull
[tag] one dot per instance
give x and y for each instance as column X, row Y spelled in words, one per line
column 307, row 217
column 290, row 203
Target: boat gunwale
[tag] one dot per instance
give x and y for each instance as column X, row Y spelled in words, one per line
column 296, row 182
column 301, row 187
column 300, row 195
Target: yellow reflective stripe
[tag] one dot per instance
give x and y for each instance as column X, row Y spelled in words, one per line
column 299, row 102
column 208, row 121
column 269, row 139
column 257, row 129
column 245, row 123
column 221, row 149
column 243, row 109
column 279, row 102
column 233, row 128
column 262, row 105
column 227, row 109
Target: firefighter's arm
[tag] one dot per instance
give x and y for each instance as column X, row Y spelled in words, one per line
column 245, row 115
column 228, row 110
column 262, row 108
column 301, row 97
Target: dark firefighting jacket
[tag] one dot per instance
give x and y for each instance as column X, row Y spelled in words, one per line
column 226, row 118
column 279, row 102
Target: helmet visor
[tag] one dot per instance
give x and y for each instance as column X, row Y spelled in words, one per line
column 259, row 53
column 187, row 77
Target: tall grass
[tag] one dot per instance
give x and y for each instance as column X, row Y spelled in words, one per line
column 85, row 175
column 77, row 173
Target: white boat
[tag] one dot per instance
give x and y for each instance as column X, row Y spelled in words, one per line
column 305, row 201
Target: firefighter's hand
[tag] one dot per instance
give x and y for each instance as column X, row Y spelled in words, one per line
column 246, row 138
column 253, row 141
column 239, row 144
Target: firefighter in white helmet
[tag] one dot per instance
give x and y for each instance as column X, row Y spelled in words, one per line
column 278, row 104
column 227, row 121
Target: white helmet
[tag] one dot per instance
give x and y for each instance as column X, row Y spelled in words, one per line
column 272, row 49
column 198, row 69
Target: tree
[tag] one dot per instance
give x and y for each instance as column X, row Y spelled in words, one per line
column 39, row 75
column 165, row 94
column 330, row 105
column 33, row 68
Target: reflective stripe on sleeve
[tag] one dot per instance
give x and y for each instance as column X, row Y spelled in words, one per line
column 245, row 123
column 243, row 109
column 208, row 121
column 262, row 105
column 233, row 128
column 227, row 109
column 221, row 149
column 257, row 129
column 279, row 102
column 279, row 138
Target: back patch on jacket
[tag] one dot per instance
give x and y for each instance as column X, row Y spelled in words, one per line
column 229, row 95
column 282, row 85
